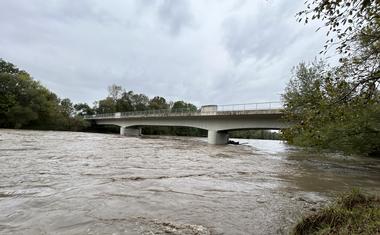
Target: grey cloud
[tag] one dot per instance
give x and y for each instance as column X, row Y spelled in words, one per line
column 59, row 11
column 261, row 35
column 233, row 55
column 81, row 10
column 175, row 14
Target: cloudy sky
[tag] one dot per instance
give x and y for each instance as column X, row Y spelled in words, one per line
column 201, row 51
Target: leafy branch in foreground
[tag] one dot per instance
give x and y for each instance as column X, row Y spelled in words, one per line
column 353, row 28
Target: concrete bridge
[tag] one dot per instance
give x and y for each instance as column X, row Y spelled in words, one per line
column 217, row 120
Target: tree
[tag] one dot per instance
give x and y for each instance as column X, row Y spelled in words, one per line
column 338, row 108
column 124, row 103
column 354, row 29
column 346, row 20
column 82, row 109
column 139, row 102
column 158, row 103
column 115, row 91
column 8, row 68
column 181, row 105
column 20, row 116
column 21, row 98
column 352, row 126
column 67, row 107
column 108, row 105
column 25, row 103
column 255, row 134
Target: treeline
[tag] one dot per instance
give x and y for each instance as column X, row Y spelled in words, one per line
column 121, row 100
column 25, row 103
column 255, row 134
column 339, row 107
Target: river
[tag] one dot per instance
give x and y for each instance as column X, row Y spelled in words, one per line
column 86, row 183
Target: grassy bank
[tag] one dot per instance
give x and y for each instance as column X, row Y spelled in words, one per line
column 351, row 213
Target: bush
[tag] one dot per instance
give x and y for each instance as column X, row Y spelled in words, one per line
column 351, row 213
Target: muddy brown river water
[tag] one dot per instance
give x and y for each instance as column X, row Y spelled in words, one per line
column 85, row 183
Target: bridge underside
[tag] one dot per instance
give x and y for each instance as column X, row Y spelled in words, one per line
column 217, row 126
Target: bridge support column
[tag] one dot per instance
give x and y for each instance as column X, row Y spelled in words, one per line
column 216, row 137
column 130, row 131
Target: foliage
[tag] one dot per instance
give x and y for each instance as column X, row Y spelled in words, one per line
column 67, row 107
column 176, row 131
column 158, row 103
column 181, row 105
column 119, row 100
column 351, row 213
column 107, row 105
column 82, row 109
column 354, row 29
column 255, row 134
column 115, row 91
column 338, row 108
column 345, row 20
column 311, row 105
column 25, row 103
column 9, row 68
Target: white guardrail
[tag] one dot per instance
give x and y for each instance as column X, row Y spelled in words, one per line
column 250, row 106
column 203, row 110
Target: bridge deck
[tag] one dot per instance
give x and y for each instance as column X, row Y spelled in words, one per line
column 173, row 113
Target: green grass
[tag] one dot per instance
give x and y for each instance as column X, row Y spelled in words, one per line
column 351, row 213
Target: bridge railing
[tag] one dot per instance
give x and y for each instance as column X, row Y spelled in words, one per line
column 143, row 113
column 250, row 106
column 157, row 112
column 219, row 108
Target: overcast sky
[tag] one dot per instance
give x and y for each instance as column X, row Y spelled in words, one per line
column 204, row 52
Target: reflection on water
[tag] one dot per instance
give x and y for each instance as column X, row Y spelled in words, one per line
column 83, row 183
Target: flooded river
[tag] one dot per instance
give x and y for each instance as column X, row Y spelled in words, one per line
column 84, row 183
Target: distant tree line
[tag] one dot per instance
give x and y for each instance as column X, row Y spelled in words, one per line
column 255, row 134
column 120, row 100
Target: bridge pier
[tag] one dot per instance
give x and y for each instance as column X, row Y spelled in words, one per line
column 130, row 131
column 216, row 137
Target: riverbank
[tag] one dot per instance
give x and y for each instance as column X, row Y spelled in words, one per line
column 352, row 213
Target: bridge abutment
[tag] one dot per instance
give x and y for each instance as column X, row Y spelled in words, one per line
column 130, row 131
column 216, row 137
